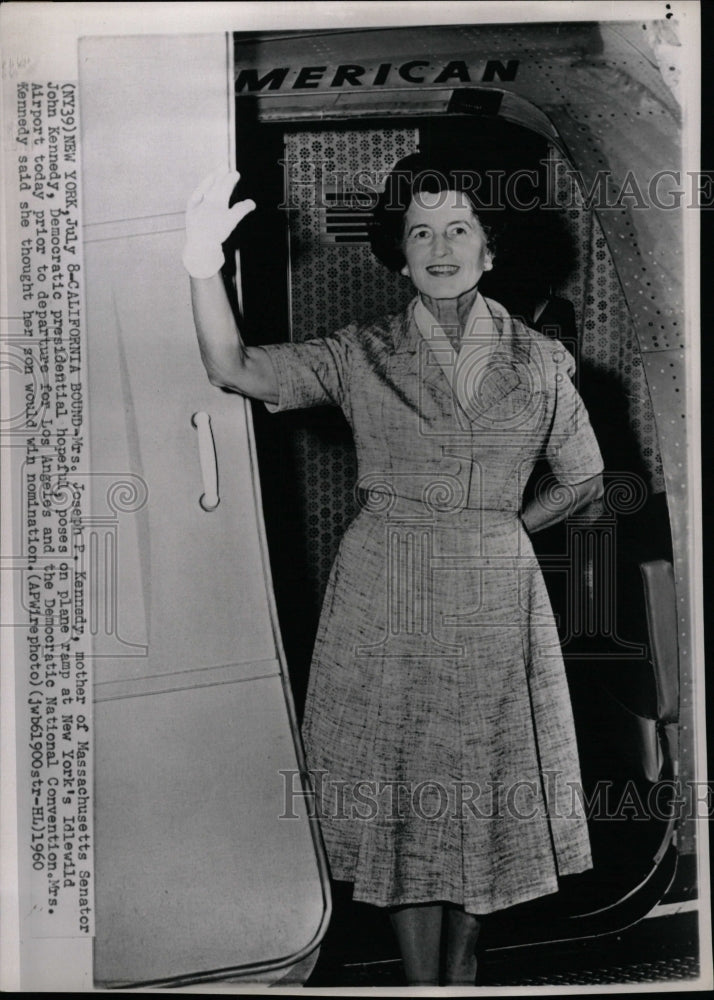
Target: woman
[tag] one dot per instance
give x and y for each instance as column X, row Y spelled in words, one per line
column 438, row 725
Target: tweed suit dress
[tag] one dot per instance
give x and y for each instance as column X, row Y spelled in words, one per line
column 438, row 727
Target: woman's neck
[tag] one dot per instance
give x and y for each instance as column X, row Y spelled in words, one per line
column 451, row 314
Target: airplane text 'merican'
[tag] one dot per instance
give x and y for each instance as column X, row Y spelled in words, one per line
column 353, row 75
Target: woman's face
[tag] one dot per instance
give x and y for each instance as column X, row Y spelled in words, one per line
column 444, row 244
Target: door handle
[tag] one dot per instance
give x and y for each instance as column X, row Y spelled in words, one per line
column 209, row 499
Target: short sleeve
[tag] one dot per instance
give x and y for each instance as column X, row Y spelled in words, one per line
column 312, row 373
column 572, row 449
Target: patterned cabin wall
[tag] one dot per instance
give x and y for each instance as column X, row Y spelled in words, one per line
column 332, row 285
column 608, row 342
column 335, row 283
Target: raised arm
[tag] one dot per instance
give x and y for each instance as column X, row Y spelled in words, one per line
column 229, row 363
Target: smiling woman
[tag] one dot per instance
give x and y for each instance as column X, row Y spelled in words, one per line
column 432, row 192
column 445, row 247
column 437, row 673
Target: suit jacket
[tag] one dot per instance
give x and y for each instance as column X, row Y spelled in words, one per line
column 412, row 437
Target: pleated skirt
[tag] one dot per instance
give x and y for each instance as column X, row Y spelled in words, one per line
column 438, row 728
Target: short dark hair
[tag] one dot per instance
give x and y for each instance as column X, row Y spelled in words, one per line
column 418, row 173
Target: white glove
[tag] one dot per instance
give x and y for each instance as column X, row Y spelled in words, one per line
column 209, row 222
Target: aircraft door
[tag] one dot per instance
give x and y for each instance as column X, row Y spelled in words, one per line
column 196, row 753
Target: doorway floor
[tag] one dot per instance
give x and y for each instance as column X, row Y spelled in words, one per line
column 659, row 949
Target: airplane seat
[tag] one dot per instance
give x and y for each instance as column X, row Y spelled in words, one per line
column 640, row 701
column 660, row 599
column 627, row 719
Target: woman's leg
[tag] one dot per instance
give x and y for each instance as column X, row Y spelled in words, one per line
column 462, row 932
column 418, row 930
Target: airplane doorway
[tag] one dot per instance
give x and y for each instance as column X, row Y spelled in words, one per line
column 604, row 576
